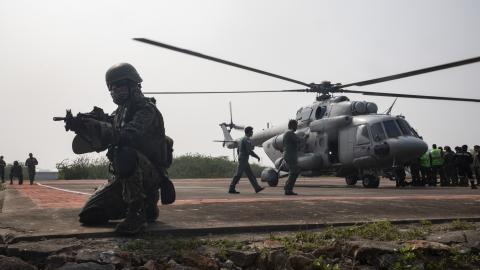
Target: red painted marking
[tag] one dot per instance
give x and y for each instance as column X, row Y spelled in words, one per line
column 50, row 198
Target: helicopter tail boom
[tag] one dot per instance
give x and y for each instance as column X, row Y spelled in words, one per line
column 228, row 141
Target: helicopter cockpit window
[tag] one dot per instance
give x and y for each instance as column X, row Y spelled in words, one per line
column 377, row 132
column 362, row 135
column 299, row 114
column 406, row 130
column 391, row 129
column 306, row 112
column 320, row 112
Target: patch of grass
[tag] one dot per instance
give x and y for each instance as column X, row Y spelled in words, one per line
column 137, row 245
column 460, row 225
column 407, row 259
column 3, row 187
column 320, row 264
column 426, row 223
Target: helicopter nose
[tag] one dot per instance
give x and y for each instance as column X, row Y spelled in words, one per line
column 407, row 148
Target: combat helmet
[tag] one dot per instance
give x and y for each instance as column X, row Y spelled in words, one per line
column 122, row 71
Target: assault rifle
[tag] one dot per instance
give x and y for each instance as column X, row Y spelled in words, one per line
column 75, row 123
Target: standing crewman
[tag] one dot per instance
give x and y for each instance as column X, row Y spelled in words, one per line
column 245, row 150
column 290, row 156
column 16, row 171
column 425, row 168
column 437, row 165
column 465, row 164
column 459, row 157
column 31, row 162
column 415, row 172
column 476, row 162
column 450, row 167
column 2, row 168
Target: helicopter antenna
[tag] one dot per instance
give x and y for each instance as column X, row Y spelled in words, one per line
column 389, row 110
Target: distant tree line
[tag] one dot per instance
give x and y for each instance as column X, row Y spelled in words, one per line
column 185, row 166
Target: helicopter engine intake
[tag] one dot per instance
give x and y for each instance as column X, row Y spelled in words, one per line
column 362, row 107
column 330, row 126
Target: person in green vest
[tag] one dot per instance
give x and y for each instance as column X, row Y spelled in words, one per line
column 437, row 165
column 245, row 150
column 425, row 168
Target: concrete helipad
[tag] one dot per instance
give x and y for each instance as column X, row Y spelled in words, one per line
column 50, row 208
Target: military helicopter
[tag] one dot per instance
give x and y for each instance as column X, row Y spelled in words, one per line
column 347, row 138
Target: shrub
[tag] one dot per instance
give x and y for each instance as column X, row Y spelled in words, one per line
column 185, row 166
column 83, row 168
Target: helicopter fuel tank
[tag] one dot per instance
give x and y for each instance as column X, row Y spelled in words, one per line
column 306, row 161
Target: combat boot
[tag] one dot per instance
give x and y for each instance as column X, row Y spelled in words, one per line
column 135, row 221
column 152, row 212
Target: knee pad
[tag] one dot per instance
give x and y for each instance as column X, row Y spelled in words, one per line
column 126, row 160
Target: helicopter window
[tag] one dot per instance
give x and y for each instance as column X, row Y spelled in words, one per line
column 319, row 112
column 377, row 132
column 299, row 114
column 306, row 112
column 391, row 129
column 406, row 130
column 362, row 135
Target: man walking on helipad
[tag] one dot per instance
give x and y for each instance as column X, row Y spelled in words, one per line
column 290, row 156
column 31, row 162
column 245, row 150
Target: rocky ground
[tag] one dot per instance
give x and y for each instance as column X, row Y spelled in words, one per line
column 379, row 245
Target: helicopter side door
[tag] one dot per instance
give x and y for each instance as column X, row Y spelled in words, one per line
column 363, row 143
column 346, row 140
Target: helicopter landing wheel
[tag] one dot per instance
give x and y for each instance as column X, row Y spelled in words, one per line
column 351, row 180
column 270, row 176
column 370, row 181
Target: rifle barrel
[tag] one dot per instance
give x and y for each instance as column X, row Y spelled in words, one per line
column 55, row 118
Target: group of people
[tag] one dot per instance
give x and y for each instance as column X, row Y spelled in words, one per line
column 245, row 149
column 16, row 170
column 452, row 168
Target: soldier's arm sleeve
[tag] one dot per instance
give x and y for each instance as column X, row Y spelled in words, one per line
column 35, row 161
column 99, row 134
column 135, row 130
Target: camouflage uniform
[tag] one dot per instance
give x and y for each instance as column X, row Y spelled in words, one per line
column 16, row 171
column 31, row 162
column 245, row 150
column 2, row 169
column 290, row 156
column 137, row 149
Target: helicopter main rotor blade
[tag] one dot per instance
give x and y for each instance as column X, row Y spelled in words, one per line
column 406, row 95
column 224, row 92
column 414, row 72
column 218, row 60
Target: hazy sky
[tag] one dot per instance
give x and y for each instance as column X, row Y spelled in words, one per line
column 54, row 54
